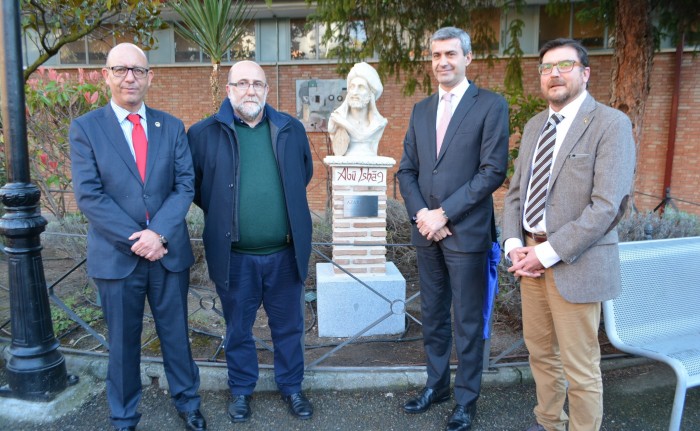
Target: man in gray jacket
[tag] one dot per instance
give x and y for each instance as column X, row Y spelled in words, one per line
column 569, row 190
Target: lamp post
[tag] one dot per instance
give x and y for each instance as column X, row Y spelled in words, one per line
column 36, row 370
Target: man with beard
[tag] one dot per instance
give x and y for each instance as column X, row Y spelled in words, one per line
column 569, row 189
column 252, row 165
column 356, row 126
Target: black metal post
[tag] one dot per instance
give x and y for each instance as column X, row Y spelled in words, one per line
column 36, row 370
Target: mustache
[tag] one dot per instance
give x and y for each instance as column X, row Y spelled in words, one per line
column 556, row 81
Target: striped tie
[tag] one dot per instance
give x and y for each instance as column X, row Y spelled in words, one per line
column 534, row 208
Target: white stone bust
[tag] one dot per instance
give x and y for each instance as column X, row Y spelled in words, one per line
column 356, row 126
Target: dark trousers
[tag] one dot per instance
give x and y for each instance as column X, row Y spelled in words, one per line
column 123, row 304
column 459, row 279
column 273, row 281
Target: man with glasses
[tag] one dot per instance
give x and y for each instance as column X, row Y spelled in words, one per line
column 133, row 180
column 252, row 165
column 569, row 190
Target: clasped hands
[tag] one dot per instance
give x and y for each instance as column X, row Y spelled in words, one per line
column 432, row 224
column 525, row 262
column 148, row 245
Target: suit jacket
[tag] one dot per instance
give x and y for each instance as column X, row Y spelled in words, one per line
column 471, row 165
column 589, row 186
column 110, row 193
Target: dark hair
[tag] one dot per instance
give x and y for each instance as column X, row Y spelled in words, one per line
column 575, row 44
column 446, row 33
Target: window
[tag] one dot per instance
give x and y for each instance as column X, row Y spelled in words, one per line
column 303, row 40
column 244, row 48
column 74, row 53
column 308, row 41
column 590, row 32
column 485, row 30
column 98, row 49
column 186, row 51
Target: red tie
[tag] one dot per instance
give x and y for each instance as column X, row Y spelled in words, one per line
column 138, row 138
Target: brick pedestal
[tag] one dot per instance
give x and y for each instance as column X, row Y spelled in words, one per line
column 354, row 179
column 346, row 307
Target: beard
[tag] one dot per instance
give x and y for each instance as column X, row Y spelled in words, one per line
column 358, row 102
column 249, row 108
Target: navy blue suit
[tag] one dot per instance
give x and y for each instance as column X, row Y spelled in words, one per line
column 110, row 193
column 470, row 167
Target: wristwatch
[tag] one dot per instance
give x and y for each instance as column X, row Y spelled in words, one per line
column 163, row 240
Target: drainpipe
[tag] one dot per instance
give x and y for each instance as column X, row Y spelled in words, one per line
column 277, row 62
column 673, row 122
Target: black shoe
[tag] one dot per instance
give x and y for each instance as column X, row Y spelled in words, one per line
column 299, row 405
column 131, row 428
column 461, row 418
column 239, row 408
column 194, row 421
column 427, row 397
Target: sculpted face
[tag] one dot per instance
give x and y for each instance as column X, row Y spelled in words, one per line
column 560, row 88
column 127, row 91
column 359, row 93
column 246, row 100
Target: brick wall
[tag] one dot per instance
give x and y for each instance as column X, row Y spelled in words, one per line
column 184, row 92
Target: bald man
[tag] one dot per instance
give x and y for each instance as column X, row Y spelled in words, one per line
column 252, row 165
column 133, row 180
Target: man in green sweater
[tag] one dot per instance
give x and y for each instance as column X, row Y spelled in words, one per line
column 252, row 165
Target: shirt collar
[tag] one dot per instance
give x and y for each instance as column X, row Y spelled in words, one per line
column 457, row 92
column 123, row 113
column 569, row 111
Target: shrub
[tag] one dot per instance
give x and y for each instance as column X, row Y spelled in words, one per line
column 672, row 224
column 53, row 100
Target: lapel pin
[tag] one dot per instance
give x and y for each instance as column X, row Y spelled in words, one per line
column 157, row 123
column 585, row 121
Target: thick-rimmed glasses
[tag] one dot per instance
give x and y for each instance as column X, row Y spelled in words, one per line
column 245, row 85
column 562, row 66
column 121, row 71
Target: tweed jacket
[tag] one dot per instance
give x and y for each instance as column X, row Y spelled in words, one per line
column 588, row 191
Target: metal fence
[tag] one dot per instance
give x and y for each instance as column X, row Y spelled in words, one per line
column 206, row 318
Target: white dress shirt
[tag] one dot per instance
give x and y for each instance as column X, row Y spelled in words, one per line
column 544, row 251
column 126, row 125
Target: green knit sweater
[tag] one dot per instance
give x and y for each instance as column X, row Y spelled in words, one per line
column 262, row 214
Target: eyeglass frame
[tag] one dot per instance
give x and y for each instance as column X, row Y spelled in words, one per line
column 248, row 84
column 574, row 63
column 132, row 69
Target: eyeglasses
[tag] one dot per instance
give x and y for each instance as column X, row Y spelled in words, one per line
column 121, row 71
column 562, row 66
column 245, row 85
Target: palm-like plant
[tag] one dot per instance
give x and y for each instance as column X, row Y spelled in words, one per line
column 213, row 25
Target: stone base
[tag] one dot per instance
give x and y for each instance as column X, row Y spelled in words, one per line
column 345, row 307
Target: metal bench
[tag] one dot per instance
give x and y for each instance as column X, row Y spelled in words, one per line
column 658, row 313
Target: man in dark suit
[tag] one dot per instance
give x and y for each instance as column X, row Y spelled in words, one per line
column 133, row 180
column 455, row 156
column 559, row 228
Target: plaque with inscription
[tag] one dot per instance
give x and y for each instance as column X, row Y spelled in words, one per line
column 361, row 206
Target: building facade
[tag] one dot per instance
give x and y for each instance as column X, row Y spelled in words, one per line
column 290, row 50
